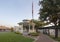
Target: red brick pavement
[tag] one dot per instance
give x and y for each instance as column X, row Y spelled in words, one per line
column 44, row 38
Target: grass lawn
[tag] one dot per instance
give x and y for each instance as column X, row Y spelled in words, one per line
column 12, row 37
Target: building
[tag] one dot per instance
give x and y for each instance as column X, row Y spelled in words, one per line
column 50, row 30
column 4, row 28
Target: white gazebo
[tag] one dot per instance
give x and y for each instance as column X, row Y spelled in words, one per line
column 27, row 26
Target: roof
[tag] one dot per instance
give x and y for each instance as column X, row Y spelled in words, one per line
column 26, row 20
column 20, row 23
column 50, row 27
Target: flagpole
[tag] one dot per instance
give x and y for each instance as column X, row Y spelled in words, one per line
column 32, row 16
column 32, row 11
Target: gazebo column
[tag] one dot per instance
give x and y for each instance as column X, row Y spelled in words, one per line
column 33, row 27
column 29, row 28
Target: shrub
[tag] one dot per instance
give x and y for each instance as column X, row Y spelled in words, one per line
column 18, row 32
column 34, row 34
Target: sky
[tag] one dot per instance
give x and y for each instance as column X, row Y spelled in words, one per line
column 14, row 11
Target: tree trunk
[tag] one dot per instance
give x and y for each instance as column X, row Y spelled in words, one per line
column 56, row 33
column 37, row 30
column 48, row 32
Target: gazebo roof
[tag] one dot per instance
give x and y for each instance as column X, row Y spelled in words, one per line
column 20, row 23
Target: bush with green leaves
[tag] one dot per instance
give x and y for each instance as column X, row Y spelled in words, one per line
column 34, row 34
column 17, row 32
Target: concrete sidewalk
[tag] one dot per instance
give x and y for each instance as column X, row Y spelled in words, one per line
column 45, row 38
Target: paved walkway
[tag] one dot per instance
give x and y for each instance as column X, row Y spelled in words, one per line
column 44, row 38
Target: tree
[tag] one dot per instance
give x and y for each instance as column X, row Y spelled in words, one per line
column 39, row 24
column 50, row 10
column 12, row 29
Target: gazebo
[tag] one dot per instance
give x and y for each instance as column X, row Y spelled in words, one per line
column 28, row 26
